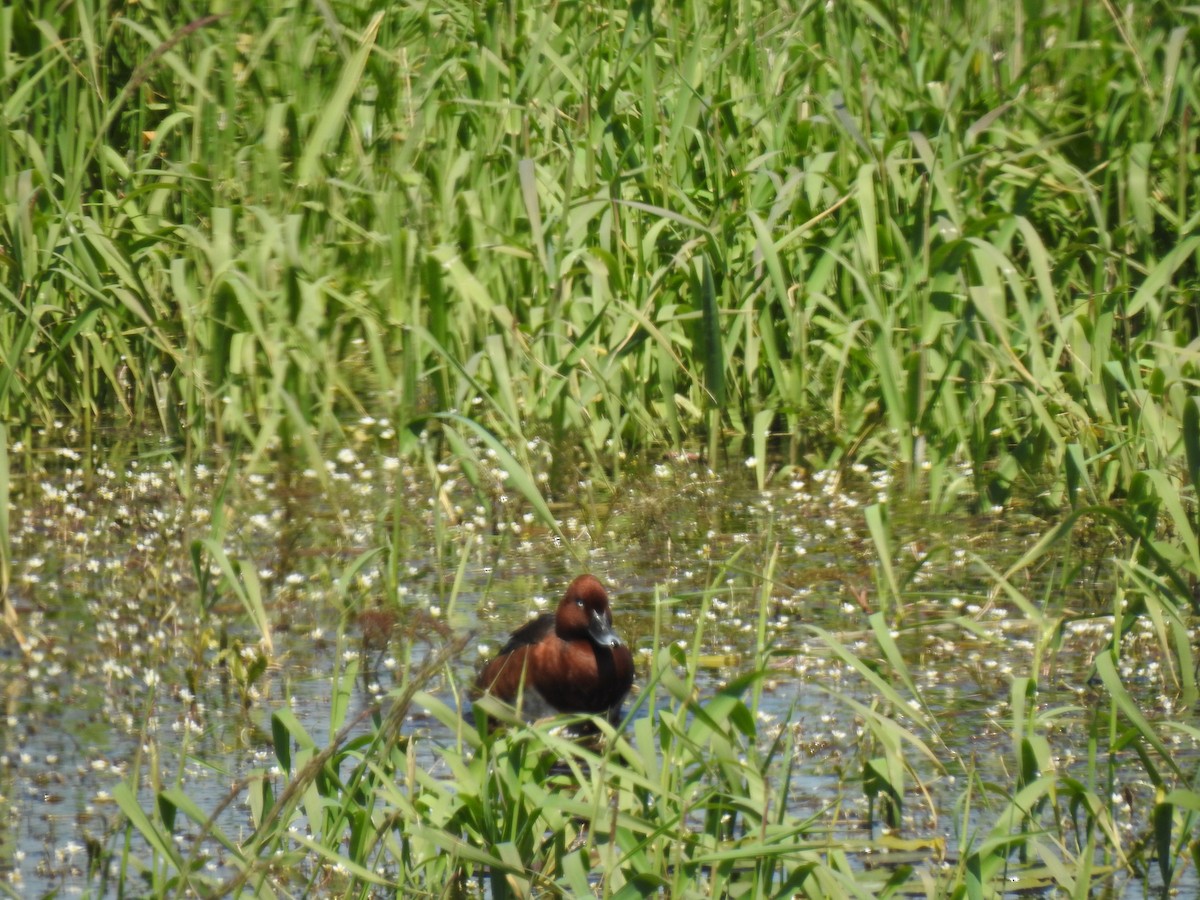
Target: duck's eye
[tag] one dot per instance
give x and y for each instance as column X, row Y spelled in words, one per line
column 579, row 602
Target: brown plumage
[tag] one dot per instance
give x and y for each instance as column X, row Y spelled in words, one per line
column 568, row 661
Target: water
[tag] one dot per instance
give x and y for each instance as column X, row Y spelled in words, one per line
column 140, row 660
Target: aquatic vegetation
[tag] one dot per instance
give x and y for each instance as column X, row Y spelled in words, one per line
column 928, row 236
column 790, row 725
column 393, row 305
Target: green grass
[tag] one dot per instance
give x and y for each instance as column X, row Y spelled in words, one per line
column 947, row 238
column 757, row 769
column 919, row 236
column 699, row 798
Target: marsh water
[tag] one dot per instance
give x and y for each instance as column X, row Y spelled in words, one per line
column 143, row 666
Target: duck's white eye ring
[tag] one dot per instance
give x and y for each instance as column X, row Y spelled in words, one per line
column 579, row 602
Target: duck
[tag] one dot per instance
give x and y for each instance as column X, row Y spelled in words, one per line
column 568, row 661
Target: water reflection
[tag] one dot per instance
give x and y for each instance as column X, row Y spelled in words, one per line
column 143, row 663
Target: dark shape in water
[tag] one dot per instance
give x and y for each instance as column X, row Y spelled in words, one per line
column 571, row 661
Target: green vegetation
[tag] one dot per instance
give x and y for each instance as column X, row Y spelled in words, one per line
column 924, row 236
column 699, row 799
column 957, row 240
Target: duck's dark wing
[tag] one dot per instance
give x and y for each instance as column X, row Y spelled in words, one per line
column 531, row 632
column 504, row 675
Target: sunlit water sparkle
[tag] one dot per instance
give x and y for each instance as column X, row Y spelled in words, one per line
column 128, row 675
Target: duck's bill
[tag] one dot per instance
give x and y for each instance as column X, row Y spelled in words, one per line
column 602, row 632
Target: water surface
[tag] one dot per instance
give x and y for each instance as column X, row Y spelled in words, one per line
column 139, row 656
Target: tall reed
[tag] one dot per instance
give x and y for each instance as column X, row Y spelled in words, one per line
column 926, row 235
